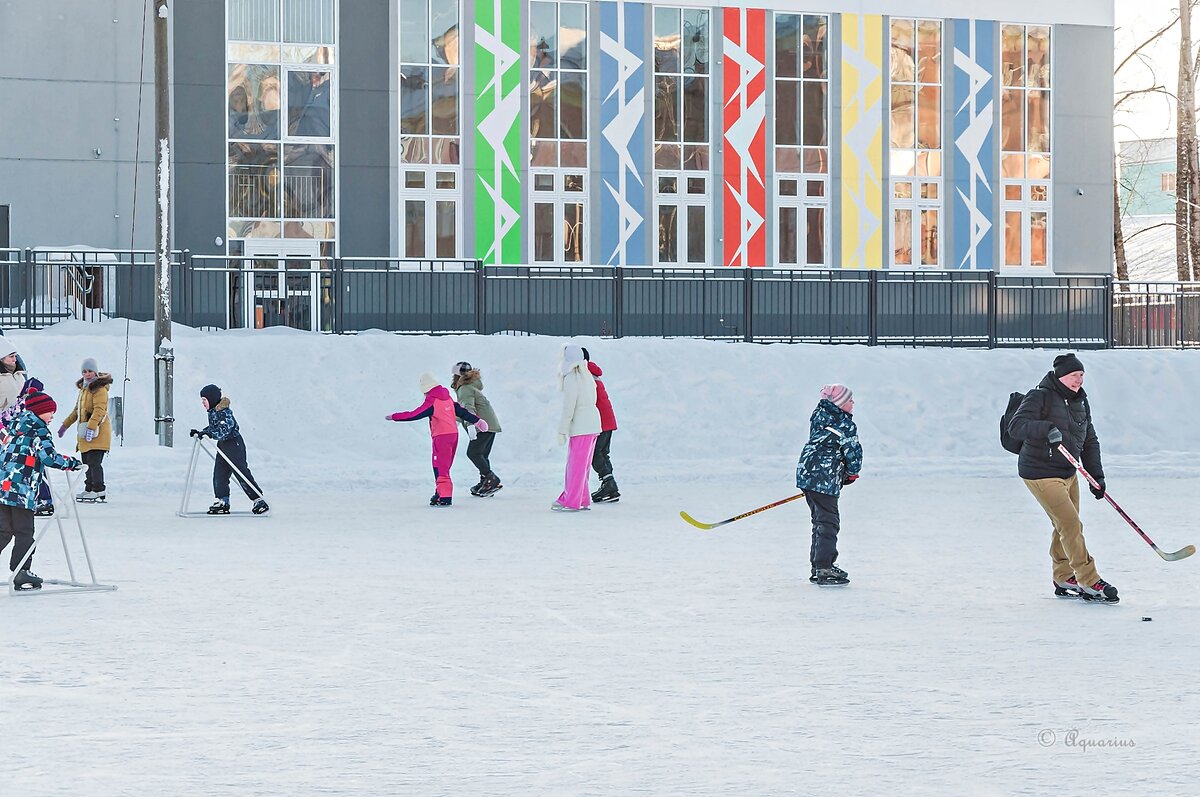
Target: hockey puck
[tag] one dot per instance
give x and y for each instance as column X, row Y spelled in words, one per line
column 1147, row 619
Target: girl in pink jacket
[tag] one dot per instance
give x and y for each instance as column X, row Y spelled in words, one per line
column 442, row 412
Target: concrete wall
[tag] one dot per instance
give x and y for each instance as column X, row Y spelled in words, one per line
column 1082, row 150
column 69, row 88
column 365, row 154
column 198, row 107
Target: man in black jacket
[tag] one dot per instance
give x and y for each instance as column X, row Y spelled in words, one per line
column 1057, row 412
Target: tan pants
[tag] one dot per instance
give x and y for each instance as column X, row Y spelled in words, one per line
column 1068, row 549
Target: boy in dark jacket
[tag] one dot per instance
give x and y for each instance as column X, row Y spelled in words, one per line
column 831, row 460
column 24, row 458
column 223, row 428
column 1055, row 413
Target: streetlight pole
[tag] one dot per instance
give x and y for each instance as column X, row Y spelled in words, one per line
column 164, row 352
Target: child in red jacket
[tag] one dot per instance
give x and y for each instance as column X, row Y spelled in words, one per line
column 442, row 412
column 608, row 492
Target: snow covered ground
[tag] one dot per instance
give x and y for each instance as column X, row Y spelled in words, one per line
column 358, row 642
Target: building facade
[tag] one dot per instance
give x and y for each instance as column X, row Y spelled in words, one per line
column 908, row 134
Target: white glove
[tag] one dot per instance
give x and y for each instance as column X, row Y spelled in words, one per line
column 562, row 439
column 471, row 433
column 89, row 435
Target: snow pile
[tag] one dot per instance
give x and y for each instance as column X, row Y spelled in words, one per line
column 311, row 406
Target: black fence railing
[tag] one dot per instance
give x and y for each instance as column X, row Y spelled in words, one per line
column 340, row 295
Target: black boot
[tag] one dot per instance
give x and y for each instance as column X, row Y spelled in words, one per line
column 608, row 492
column 491, row 483
column 24, row 580
column 482, row 481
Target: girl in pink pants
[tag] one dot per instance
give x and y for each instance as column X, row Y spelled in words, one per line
column 441, row 410
column 579, row 423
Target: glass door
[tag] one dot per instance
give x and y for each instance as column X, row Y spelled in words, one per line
column 285, row 279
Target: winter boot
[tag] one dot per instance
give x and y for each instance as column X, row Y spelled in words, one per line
column 437, row 500
column 491, row 483
column 24, row 580
column 831, row 577
column 44, row 510
column 219, row 507
column 260, row 507
column 608, row 492
column 1066, row 589
column 482, row 481
column 837, row 571
column 1101, row 592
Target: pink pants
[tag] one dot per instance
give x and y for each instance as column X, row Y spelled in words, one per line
column 579, row 462
column 444, row 446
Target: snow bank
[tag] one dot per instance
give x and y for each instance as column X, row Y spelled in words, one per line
column 311, row 406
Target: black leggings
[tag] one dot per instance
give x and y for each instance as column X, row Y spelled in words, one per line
column 479, row 450
column 94, row 480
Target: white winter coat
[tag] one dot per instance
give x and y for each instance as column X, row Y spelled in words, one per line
column 10, row 388
column 579, row 413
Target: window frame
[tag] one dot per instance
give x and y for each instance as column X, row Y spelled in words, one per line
column 1026, row 206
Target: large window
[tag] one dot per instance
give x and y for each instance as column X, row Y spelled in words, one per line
column 430, row 129
column 558, row 154
column 916, row 142
column 682, row 150
column 802, row 139
column 281, row 121
column 1025, row 198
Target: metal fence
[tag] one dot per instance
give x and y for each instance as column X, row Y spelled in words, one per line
column 339, row 295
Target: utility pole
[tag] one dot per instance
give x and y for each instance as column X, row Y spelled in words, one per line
column 164, row 351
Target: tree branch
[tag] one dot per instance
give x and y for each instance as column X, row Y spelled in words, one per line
column 1147, row 43
column 1129, row 238
column 1125, row 95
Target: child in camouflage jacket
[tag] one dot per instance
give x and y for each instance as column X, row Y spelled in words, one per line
column 831, row 459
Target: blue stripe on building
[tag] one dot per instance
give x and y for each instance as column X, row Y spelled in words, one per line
column 623, row 128
column 976, row 173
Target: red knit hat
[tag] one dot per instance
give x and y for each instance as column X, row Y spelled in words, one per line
column 40, row 403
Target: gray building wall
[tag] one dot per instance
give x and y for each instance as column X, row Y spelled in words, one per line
column 69, row 87
column 364, row 154
column 1082, row 150
column 198, row 108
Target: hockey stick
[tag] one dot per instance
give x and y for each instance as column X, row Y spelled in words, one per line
column 1182, row 553
column 706, row 526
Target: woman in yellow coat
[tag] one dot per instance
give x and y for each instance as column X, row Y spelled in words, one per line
column 95, row 430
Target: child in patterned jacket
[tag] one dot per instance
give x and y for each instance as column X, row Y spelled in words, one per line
column 830, row 461
column 223, row 428
column 26, row 454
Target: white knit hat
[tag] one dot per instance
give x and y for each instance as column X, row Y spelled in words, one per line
column 428, row 382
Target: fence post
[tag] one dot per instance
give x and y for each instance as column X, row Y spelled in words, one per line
column 30, row 296
column 748, row 304
column 618, row 301
column 992, row 298
column 1109, row 298
column 480, row 296
column 335, row 296
column 872, row 308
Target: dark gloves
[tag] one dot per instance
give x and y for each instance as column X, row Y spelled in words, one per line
column 850, row 479
column 1097, row 491
column 196, row 433
column 1054, row 436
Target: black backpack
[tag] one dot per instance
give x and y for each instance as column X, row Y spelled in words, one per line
column 1010, row 443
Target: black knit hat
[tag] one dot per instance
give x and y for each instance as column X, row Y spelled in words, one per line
column 212, row 393
column 1066, row 364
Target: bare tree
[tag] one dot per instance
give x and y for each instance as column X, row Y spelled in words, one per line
column 1136, row 55
column 1187, row 249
